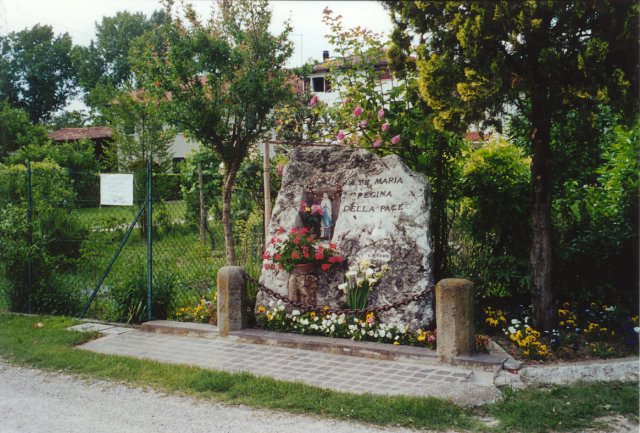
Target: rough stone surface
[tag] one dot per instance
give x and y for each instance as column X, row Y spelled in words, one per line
column 454, row 314
column 232, row 299
column 381, row 213
column 625, row 369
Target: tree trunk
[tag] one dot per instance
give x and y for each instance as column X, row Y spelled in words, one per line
column 227, row 189
column 541, row 259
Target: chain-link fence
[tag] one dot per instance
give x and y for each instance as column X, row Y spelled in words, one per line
column 58, row 246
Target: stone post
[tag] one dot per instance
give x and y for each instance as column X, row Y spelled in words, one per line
column 232, row 299
column 454, row 317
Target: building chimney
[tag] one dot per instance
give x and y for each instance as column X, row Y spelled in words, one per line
column 325, row 55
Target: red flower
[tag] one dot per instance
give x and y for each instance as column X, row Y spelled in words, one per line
column 279, row 266
column 320, row 255
column 296, row 240
column 303, row 230
column 333, row 246
column 272, row 241
column 338, row 259
column 295, row 255
column 325, row 266
column 267, row 266
column 305, row 252
column 280, row 230
column 266, row 255
column 278, row 256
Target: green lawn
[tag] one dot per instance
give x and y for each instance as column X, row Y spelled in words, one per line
column 532, row 410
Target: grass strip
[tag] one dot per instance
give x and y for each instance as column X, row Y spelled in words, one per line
column 51, row 348
column 565, row 408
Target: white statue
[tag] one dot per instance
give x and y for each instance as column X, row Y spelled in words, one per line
column 327, row 223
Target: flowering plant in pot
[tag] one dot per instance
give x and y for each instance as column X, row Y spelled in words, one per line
column 359, row 280
column 300, row 247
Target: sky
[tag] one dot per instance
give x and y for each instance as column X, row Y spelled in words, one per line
column 78, row 18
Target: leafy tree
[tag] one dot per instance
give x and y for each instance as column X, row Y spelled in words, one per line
column 16, row 130
column 495, row 187
column 105, row 62
column 477, row 60
column 36, row 73
column 68, row 119
column 224, row 78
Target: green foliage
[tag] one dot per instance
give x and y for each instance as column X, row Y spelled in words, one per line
column 77, row 157
column 493, row 228
column 105, row 62
column 36, row 73
column 129, row 295
column 51, row 243
column 16, row 130
column 597, row 223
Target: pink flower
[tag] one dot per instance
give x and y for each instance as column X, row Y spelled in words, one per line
column 381, row 114
column 295, row 255
column 396, row 139
column 325, row 266
column 316, row 209
column 332, row 246
column 314, row 101
column 385, row 126
column 377, row 143
column 363, row 124
column 280, row 230
column 279, row 169
column 340, row 136
column 358, row 111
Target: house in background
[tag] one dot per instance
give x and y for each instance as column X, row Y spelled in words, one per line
column 319, row 83
column 102, row 137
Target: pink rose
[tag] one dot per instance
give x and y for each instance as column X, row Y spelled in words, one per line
column 377, row 143
column 314, row 101
column 396, row 139
column 381, row 114
column 279, row 169
column 363, row 124
column 385, row 126
column 340, row 136
column 358, row 111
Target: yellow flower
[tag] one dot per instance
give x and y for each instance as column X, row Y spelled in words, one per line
column 422, row 337
column 562, row 313
column 312, row 314
column 269, row 316
column 261, row 309
column 395, row 343
column 491, row 321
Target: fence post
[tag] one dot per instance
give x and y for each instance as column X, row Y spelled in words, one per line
column 203, row 210
column 149, row 240
column 454, row 316
column 232, row 299
column 29, row 237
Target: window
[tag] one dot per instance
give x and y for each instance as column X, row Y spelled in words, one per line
column 318, row 84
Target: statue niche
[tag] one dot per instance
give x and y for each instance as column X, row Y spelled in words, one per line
column 319, row 211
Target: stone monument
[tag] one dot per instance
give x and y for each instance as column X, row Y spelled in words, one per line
column 379, row 212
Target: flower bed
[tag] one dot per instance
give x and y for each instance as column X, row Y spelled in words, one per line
column 367, row 328
column 591, row 331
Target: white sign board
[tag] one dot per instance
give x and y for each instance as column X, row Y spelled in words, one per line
column 116, row 189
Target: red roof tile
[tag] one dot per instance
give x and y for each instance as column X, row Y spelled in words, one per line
column 73, row 134
column 473, row 136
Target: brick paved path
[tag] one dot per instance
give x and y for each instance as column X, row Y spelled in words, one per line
column 334, row 371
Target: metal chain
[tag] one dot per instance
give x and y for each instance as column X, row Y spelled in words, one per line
column 312, row 307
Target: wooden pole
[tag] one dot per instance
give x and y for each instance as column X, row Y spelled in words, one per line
column 267, row 190
column 203, row 210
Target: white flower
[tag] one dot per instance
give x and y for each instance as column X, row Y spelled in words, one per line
column 368, row 272
column 382, row 333
column 515, row 321
column 343, row 287
column 637, row 329
column 512, row 330
column 295, row 313
column 332, row 328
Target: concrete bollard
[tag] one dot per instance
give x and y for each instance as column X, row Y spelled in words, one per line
column 232, row 300
column 454, row 316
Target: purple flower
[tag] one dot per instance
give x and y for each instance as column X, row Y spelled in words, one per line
column 279, row 169
column 314, row 101
column 381, row 114
column 377, row 143
column 396, row 139
column 385, row 126
column 363, row 124
column 358, row 111
column 340, row 136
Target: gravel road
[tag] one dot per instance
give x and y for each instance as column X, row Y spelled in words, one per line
column 33, row 401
